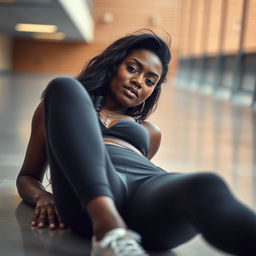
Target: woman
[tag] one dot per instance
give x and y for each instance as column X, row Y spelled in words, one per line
column 93, row 133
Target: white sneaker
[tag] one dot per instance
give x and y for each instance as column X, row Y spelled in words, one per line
column 118, row 242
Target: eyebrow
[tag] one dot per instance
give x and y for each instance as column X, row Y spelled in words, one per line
column 141, row 65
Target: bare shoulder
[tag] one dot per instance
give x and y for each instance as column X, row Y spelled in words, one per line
column 153, row 129
column 155, row 137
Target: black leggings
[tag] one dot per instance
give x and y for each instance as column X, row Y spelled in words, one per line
column 167, row 209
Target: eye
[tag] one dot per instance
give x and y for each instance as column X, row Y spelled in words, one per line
column 149, row 82
column 131, row 69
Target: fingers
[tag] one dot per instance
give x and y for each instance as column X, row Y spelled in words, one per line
column 61, row 224
column 45, row 216
column 51, row 218
column 41, row 218
column 35, row 217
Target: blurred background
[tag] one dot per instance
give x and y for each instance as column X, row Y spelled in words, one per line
column 58, row 36
column 81, row 30
column 206, row 111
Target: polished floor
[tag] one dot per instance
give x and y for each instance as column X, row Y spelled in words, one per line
column 200, row 133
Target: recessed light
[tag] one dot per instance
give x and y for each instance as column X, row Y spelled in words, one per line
column 35, row 28
column 107, row 18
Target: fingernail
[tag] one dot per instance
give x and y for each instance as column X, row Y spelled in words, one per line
column 52, row 226
column 40, row 225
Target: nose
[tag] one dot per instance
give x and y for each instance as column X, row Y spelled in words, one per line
column 137, row 80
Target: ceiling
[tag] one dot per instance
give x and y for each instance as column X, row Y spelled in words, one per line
column 71, row 17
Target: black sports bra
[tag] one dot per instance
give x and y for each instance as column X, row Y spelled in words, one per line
column 129, row 131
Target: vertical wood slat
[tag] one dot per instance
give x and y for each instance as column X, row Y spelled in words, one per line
column 187, row 17
column 191, row 43
column 206, row 23
column 233, row 26
column 239, row 67
column 220, row 59
column 223, row 24
column 199, row 26
column 204, row 42
column 182, row 35
column 244, row 24
column 249, row 43
column 214, row 29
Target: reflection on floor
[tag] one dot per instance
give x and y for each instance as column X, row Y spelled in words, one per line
column 199, row 133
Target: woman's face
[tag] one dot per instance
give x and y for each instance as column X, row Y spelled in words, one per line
column 135, row 79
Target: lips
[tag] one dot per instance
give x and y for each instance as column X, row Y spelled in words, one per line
column 132, row 90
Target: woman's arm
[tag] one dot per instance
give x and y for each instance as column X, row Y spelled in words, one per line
column 155, row 138
column 29, row 180
column 35, row 162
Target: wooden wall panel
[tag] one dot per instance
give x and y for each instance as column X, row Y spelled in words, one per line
column 233, row 26
column 182, row 19
column 5, row 52
column 198, row 26
column 30, row 55
column 250, row 29
column 128, row 16
column 214, row 26
column 184, row 25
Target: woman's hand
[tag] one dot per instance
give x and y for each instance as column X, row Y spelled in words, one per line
column 46, row 213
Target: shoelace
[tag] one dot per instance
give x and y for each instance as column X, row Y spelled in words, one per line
column 124, row 245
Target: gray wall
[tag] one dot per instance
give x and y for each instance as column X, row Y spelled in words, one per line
column 5, row 53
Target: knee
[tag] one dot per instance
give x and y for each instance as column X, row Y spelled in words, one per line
column 64, row 86
column 60, row 83
column 205, row 181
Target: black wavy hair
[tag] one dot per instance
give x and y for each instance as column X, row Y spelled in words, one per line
column 98, row 72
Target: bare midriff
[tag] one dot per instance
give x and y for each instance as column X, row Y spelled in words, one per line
column 120, row 143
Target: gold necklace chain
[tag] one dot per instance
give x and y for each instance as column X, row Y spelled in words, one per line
column 107, row 116
column 107, row 119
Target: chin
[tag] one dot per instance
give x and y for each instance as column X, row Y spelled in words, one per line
column 126, row 102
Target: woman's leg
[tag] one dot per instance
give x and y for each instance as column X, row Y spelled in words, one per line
column 69, row 205
column 82, row 175
column 171, row 208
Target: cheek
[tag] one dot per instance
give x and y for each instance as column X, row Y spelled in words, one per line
column 119, row 78
column 147, row 92
column 124, row 76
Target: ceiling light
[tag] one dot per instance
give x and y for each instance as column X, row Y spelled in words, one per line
column 155, row 20
column 47, row 36
column 107, row 18
column 36, row 28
